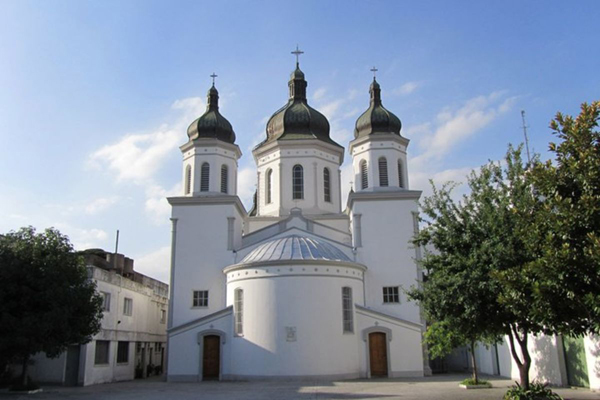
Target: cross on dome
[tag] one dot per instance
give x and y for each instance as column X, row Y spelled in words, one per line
column 213, row 76
column 374, row 71
column 297, row 53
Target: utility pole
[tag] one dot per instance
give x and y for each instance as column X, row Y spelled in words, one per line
column 526, row 138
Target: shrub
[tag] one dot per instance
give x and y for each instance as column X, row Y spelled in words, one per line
column 537, row 391
column 471, row 382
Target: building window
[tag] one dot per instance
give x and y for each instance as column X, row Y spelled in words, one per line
column 327, row 185
column 163, row 316
column 102, row 349
column 105, row 301
column 123, row 352
column 204, row 175
column 224, row 178
column 238, row 309
column 400, row 174
column 383, row 172
column 391, row 294
column 269, row 185
column 200, row 298
column 364, row 180
column 298, row 182
column 188, row 179
column 347, row 315
column 128, row 306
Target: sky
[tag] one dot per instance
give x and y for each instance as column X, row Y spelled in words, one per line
column 96, row 96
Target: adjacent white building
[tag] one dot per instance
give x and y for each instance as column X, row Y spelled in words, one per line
column 306, row 284
column 132, row 339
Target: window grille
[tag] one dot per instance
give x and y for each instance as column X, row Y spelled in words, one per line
column 238, row 309
column 204, row 175
column 188, row 179
column 383, row 172
column 102, row 349
column 391, row 294
column 298, row 182
column 224, row 178
column 364, row 180
column 400, row 174
column 200, row 298
column 327, row 185
column 269, row 184
column 123, row 352
column 347, row 315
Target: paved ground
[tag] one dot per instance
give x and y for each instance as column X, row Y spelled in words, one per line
column 437, row 387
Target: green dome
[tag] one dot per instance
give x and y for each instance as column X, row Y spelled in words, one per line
column 212, row 125
column 297, row 120
column 377, row 119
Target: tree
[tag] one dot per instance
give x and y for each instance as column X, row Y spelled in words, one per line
column 486, row 278
column 570, row 187
column 47, row 301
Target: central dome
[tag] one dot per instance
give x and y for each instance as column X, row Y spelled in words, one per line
column 297, row 120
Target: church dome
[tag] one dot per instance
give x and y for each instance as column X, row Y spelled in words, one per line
column 295, row 247
column 297, row 120
column 212, row 125
column 377, row 119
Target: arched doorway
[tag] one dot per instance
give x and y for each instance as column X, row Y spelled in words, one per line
column 211, row 357
column 378, row 361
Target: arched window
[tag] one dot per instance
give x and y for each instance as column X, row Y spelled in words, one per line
column 188, row 179
column 298, row 182
column 268, row 185
column 400, row 174
column 238, row 311
column 224, row 178
column 347, row 314
column 364, row 180
column 327, row 185
column 204, row 175
column 383, row 172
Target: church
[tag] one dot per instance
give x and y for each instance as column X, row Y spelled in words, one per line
column 305, row 284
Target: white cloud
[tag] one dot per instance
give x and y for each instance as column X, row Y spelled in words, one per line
column 419, row 180
column 247, row 185
column 156, row 265
column 406, row 89
column 100, row 204
column 83, row 238
column 319, row 93
column 157, row 206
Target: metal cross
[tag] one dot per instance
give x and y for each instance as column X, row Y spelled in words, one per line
column 374, row 70
column 213, row 76
column 297, row 53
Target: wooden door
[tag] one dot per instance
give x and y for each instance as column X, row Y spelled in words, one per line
column 211, row 357
column 378, row 354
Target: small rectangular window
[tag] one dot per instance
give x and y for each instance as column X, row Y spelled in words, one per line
column 128, row 306
column 123, row 352
column 200, row 298
column 347, row 314
column 163, row 316
column 102, row 350
column 105, row 301
column 238, row 309
column 391, row 294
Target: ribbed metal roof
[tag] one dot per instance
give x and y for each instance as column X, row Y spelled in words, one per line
column 295, row 247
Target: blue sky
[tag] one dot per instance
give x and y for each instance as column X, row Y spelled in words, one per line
column 96, row 96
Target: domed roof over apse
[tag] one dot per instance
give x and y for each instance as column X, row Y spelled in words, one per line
column 295, row 247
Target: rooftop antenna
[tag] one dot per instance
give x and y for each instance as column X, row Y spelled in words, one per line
column 526, row 138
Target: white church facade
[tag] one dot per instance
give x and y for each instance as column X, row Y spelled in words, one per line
column 299, row 286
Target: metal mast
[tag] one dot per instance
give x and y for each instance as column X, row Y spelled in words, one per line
column 526, row 138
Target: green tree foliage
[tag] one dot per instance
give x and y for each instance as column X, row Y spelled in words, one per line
column 570, row 187
column 46, row 300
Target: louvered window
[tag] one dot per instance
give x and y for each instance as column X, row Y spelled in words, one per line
column 238, row 311
column 327, row 185
column 204, row 175
column 400, row 174
column 298, row 182
column 383, row 172
column 224, row 178
column 268, row 185
column 347, row 315
column 188, row 179
column 364, row 180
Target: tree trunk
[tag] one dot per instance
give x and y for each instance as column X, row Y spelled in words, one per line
column 525, row 364
column 24, row 371
column 474, row 361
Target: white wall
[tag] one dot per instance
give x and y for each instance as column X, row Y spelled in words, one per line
column 592, row 354
column 371, row 150
column 216, row 154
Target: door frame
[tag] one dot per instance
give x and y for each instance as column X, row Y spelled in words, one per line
column 388, row 338
column 201, row 335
